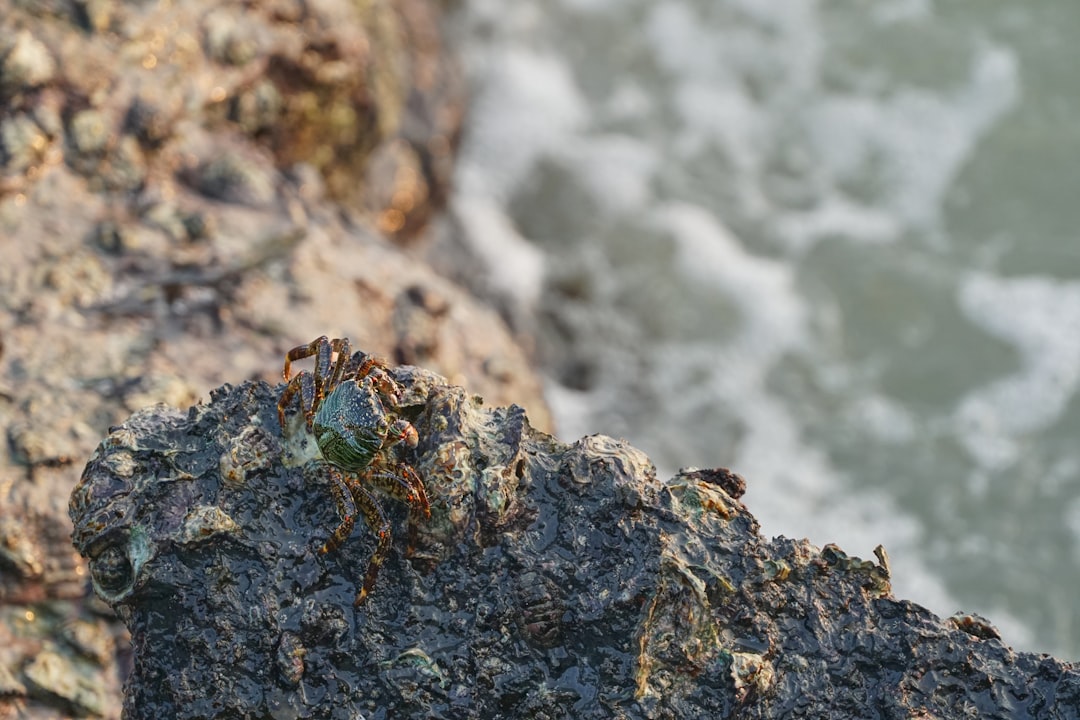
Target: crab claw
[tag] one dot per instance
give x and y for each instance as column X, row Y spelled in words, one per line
column 405, row 432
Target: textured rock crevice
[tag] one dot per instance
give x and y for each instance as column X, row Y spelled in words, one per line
column 552, row 580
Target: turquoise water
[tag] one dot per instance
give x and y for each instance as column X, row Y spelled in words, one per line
column 831, row 248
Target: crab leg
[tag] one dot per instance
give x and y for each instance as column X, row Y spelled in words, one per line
column 343, row 349
column 305, row 385
column 346, row 510
column 376, row 520
column 403, row 483
column 360, row 364
column 302, row 351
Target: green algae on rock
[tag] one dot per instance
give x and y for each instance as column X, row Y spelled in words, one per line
column 552, row 580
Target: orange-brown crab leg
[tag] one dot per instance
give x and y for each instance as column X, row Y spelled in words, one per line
column 364, row 365
column 338, row 351
column 361, row 363
column 328, row 370
column 376, row 519
column 346, row 511
column 302, row 351
column 350, row 494
column 343, row 349
column 403, row 483
column 331, row 360
column 305, row 385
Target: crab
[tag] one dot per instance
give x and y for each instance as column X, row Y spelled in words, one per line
column 350, row 402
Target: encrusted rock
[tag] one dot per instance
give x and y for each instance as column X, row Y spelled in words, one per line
column 137, row 270
column 26, row 63
column 89, row 132
column 233, row 177
column 9, row 685
column 22, row 143
column 56, row 661
column 552, row 580
column 54, row 676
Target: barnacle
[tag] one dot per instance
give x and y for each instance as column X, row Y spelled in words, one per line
column 112, row 571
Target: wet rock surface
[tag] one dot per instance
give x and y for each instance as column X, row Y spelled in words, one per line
column 186, row 190
column 552, row 581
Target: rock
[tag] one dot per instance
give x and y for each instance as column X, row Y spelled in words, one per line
column 89, row 132
column 53, row 676
column 552, row 580
column 56, row 661
column 26, row 63
column 185, row 192
column 234, row 178
column 22, row 143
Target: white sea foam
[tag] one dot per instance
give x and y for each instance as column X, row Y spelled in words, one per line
column 515, row 267
column 774, row 315
column 617, row 169
column 729, row 114
column 912, row 143
column 1038, row 316
column 526, row 105
column 884, row 419
column 888, row 13
column 921, row 137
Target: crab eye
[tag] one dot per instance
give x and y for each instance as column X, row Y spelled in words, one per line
column 112, row 571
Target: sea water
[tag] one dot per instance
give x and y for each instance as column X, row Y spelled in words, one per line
column 830, row 245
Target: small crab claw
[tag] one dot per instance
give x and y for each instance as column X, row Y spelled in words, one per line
column 405, row 432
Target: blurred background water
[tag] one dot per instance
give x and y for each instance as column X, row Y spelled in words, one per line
column 831, row 245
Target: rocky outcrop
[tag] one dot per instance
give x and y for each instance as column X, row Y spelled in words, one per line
column 186, row 190
column 552, row 580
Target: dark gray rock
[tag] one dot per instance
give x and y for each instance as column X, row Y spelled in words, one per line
column 552, row 581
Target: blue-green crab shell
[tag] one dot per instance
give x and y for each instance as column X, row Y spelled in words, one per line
column 350, row 425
